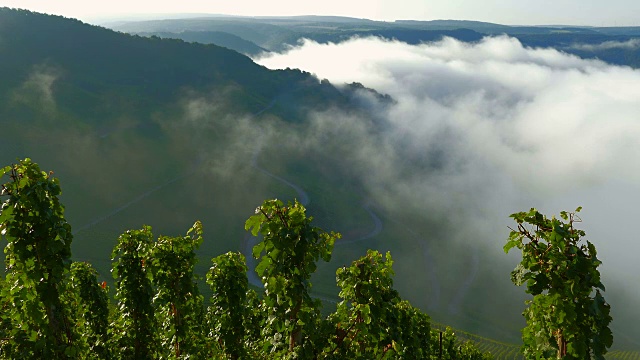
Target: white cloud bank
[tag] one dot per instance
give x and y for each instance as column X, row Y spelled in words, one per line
column 549, row 121
column 511, row 128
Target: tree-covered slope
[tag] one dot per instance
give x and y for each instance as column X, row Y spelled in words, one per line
column 89, row 63
column 219, row 38
column 124, row 118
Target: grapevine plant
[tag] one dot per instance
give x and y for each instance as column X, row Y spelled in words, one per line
column 37, row 259
column 568, row 318
column 54, row 308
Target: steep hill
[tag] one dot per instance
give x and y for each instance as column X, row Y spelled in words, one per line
column 122, row 118
column 91, row 61
column 219, row 38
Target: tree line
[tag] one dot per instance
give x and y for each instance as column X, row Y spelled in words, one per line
column 55, row 308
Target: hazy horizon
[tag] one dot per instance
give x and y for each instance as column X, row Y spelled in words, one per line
column 512, row 12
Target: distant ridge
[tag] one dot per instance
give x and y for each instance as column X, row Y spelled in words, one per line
column 278, row 33
column 451, row 22
column 219, row 38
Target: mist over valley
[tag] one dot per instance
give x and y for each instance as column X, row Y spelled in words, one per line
column 414, row 137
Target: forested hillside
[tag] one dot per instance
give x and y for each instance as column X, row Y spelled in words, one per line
column 219, row 38
column 143, row 128
column 101, row 69
column 138, row 114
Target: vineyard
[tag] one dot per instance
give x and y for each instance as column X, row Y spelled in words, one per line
column 157, row 310
column 285, row 321
column 624, row 355
column 499, row 350
column 505, row 351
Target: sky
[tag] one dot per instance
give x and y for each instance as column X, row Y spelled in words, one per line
column 510, row 12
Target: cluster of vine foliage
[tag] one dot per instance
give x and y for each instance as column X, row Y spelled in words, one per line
column 568, row 317
column 54, row 308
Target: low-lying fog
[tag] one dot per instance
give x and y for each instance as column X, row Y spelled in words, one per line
column 480, row 131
